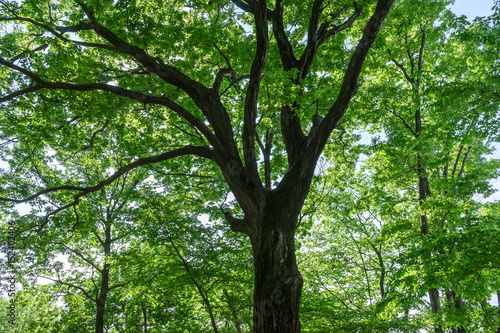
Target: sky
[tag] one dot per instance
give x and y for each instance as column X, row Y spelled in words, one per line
column 472, row 8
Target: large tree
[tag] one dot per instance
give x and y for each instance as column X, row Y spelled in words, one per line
column 179, row 79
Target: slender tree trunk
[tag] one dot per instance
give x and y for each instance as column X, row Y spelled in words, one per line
column 101, row 300
column 459, row 305
column 103, row 293
column 203, row 293
column 423, row 182
column 423, row 186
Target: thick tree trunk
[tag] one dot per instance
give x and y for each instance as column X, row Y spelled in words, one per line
column 270, row 216
column 278, row 283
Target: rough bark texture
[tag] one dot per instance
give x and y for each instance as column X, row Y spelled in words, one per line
column 278, row 283
column 104, row 290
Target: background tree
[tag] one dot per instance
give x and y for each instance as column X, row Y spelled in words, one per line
column 437, row 119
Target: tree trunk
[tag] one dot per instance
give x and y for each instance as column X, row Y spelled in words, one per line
column 278, row 283
column 101, row 301
column 459, row 305
column 423, row 188
column 103, row 293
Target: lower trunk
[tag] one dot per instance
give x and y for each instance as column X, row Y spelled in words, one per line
column 99, row 320
column 423, row 191
column 278, row 283
column 435, row 305
column 459, row 305
column 433, row 292
column 101, row 301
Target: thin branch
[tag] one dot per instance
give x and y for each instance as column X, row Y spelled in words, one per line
column 358, row 10
column 403, row 69
column 403, row 121
column 456, row 161
column 203, row 293
column 92, row 138
column 19, row 56
column 146, row 99
column 57, row 34
column 72, row 286
column 186, row 150
column 463, row 162
column 116, row 286
column 224, row 56
column 80, row 255
column 182, row 174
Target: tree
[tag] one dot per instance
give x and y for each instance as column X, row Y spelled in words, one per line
column 438, row 110
column 180, row 79
column 94, row 245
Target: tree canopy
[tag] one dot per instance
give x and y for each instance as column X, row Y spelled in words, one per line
column 176, row 155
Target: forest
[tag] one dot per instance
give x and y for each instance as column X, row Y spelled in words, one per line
column 264, row 166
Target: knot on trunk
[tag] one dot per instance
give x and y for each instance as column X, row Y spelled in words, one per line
column 237, row 225
column 294, row 282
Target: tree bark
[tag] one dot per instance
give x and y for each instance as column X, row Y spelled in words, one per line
column 101, row 301
column 278, row 283
column 424, row 228
column 103, row 293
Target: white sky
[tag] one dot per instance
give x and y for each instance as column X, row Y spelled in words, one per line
column 472, row 8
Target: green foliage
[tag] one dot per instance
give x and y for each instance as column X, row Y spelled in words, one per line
column 428, row 100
